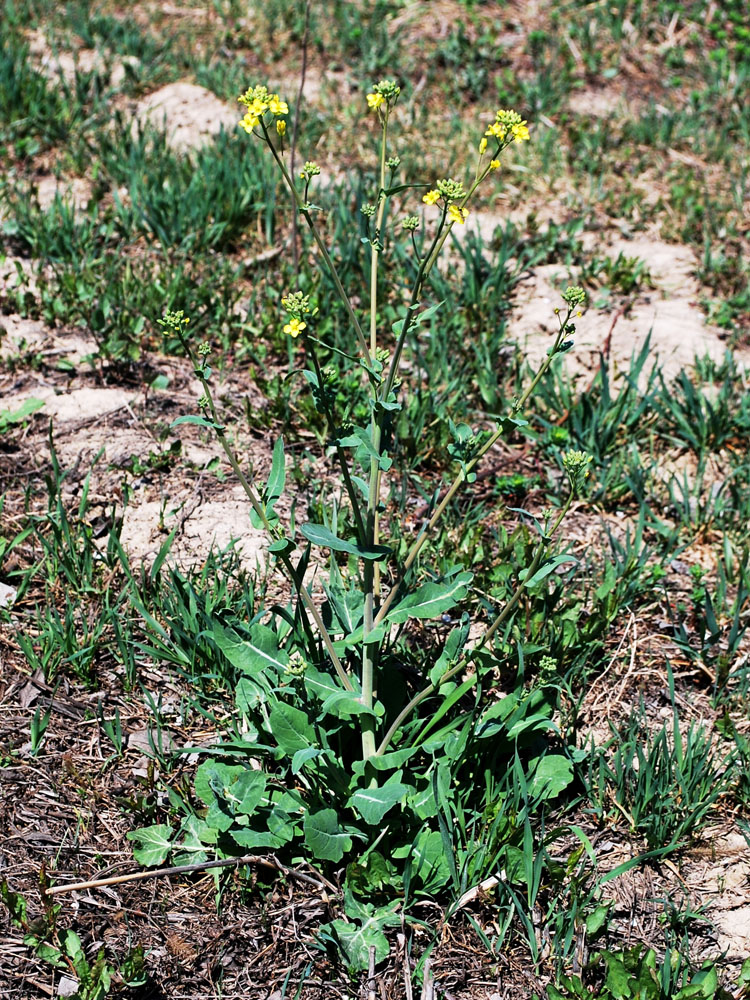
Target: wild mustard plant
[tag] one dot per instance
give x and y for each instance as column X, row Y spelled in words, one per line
column 339, row 650
column 380, row 359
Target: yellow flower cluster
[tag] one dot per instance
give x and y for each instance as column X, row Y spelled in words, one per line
column 508, row 126
column 384, row 95
column 258, row 101
column 456, row 214
column 451, row 191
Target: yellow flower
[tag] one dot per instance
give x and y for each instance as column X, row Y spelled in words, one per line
column 482, row 146
column 497, row 129
column 375, row 101
column 456, row 214
column 257, row 107
column 494, row 164
column 277, row 107
column 281, row 128
column 520, row 132
column 431, row 197
column 249, row 122
column 294, row 327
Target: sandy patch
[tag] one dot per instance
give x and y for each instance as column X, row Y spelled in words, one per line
column 16, row 272
column 190, row 114
column 55, row 64
column 724, row 875
column 670, row 312
column 76, row 191
column 80, row 404
column 598, row 102
column 19, row 335
column 212, row 524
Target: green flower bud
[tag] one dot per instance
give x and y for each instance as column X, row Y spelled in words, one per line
column 576, row 464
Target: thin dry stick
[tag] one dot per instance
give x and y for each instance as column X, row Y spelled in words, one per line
column 428, row 984
column 407, row 969
column 371, row 975
column 247, row 859
column 603, row 674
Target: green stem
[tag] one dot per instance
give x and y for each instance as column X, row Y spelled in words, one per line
column 257, row 506
column 496, row 624
column 463, row 473
column 321, row 246
column 371, row 573
column 350, row 488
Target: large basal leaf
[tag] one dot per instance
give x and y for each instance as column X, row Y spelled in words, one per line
column 213, row 776
column 247, row 792
column 324, row 836
column 290, row 728
column 154, row 844
column 373, row 803
column 345, row 704
column 357, row 939
column 254, row 656
column 432, row 599
column 429, row 863
column 319, row 535
column 552, row 775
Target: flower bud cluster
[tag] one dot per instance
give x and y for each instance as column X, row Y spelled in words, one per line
column 296, row 305
column 576, row 464
column 384, row 95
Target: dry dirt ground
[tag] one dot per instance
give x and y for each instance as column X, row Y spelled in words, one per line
column 68, row 809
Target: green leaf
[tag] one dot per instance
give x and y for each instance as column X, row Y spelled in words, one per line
column 373, row 803
column 357, row 939
column 253, row 840
column 248, row 695
column 348, row 607
column 618, row 979
column 319, row 535
column 320, row 684
column 302, row 756
column 195, row 834
column 546, row 568
column 195, row 419
column 372, row 872
column 15, row 903
column 357, row 638
column 212, row 775
column 454, row 645
column 429, row 863
column 324, row 837
column 282, row 546
column 291, row 728
column 154, row 844
column 277, row 475
column 345, row 704
column 597, row 919
column 29, row 406
column 432, row 599
column 553, row 773
column 247, row 792
column 254, row 656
